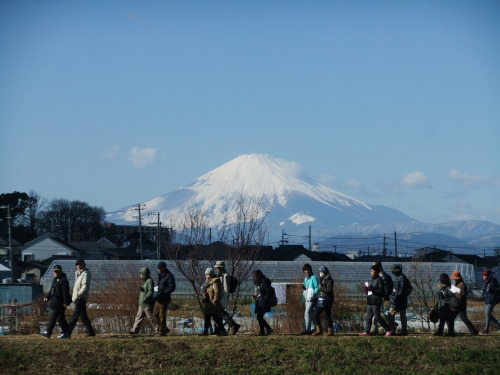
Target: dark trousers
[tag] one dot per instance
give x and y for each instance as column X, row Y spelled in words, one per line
column 373, row 313
column 328, row 315
column 80, row 311
column 463, row 316
column 262, row 323
column 58, row 316
column 446, row 317
column 218, row 322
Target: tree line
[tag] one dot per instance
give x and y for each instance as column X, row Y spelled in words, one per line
column 31, row 215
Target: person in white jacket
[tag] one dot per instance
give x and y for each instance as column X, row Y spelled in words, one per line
column 80, row 298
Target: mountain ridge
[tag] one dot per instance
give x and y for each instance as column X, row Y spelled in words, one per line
column 293, row 201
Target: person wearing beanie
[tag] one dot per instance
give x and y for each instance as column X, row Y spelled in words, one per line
column 262, row 295
column 220, row 267
column 399, row 299
column 81, row 291
column 442, row 304
column 162, row 297
column 374, row 299
column 491, row 297
column 388, row 287
column 310, row 296
column 60, row 299
column 212, row 302
column 325, row 302
column 146, row 302
column 458, row 303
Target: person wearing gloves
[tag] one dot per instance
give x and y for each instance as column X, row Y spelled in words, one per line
column 374, row 299
column 212, row 302
column 310, row 295
column 491, row 297
column 458, row 303
column 59, row 298
column 146, row 302
column 443, row 306
column 325, row 302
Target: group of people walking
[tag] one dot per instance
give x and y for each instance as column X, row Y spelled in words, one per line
column 318, row 299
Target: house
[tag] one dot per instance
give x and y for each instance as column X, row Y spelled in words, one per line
column 301, row 254
column 46, row 246
column 432, row 254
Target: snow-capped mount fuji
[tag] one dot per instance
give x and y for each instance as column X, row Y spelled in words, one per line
column 293, row 201
column 289, row 197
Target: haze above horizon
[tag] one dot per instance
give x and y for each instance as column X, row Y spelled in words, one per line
column 117, row 103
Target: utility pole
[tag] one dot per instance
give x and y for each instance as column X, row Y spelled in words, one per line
column 283, row 234
column 395, row 245
column 384, row 249
column 140, row 229
column 11, row 258
column 310, row 247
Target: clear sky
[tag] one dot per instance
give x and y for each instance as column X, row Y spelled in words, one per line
column 395, row 103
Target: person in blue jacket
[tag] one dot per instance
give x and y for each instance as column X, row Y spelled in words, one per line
column 310, row 296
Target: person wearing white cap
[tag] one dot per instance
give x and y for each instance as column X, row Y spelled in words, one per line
column 220, row 266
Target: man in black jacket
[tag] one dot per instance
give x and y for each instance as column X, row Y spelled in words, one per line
column 59, row 298
column 162, row 297
column 399, row 299
column 375, row 297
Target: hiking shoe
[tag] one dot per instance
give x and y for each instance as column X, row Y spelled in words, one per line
column 389, row 333
column 485, row 332
column 45, row 334
column 365, row 334
column 269, row 331
column 236, row 328
column 64, row 336
column 133, row 333
column 305, row 332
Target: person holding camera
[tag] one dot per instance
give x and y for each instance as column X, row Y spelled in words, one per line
column 145, row 302
column 325, row 302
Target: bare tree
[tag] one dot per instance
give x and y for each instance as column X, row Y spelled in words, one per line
column 243, row 231
column 190, row 232
column 423, row 281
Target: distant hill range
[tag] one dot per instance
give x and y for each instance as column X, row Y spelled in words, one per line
column 295, row 202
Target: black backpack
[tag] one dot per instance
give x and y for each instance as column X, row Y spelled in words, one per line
column 232, row 284
column 388, row 286
column 408, row 287
column 273, row 300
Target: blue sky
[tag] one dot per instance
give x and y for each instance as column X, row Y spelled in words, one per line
column 118, row 102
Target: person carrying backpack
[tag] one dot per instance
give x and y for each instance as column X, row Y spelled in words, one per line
column 491, row 297
column 262, row 294
column 220, row 267
column 458, row 304
column 399, row 299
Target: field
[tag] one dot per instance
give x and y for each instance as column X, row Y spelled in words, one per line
column 248, row 354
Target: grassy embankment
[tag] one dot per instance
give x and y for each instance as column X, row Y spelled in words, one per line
column 245, row 354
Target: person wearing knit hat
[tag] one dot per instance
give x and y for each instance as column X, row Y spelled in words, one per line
column 212, row 302
column 458, row 303
column 442, row 305
column 491, row 297
column 399, row 299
